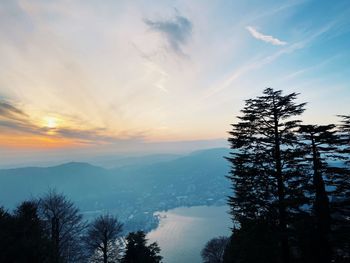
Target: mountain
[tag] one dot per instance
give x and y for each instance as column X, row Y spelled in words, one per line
column 74, row 179
column 201, row 170
column 121, row 161
column 133, row 190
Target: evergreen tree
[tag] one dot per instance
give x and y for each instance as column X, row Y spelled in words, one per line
column 344, row 131
column 137, row 250
column 6, row 237
column 341, row 201
column 30, row 237
column 320, row 141
column 22, row 236
column 266, row 178
column 255, row 241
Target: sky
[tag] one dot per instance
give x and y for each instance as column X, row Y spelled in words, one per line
column 89, row 76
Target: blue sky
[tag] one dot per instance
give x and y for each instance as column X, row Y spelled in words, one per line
column 117, row 74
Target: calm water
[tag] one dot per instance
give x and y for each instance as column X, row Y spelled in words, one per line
column 183, row 231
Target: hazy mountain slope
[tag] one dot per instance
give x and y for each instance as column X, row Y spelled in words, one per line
column 111, row 162
column 200, row 168
column 74, row 179
column 198, row 176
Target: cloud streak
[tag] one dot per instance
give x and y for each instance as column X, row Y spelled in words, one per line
column 266, row 38
column 10, row 111
column 176, row 31
column 14, row 120
column 256, row 64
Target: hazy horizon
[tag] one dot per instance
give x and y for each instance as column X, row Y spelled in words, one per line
column 17, row 158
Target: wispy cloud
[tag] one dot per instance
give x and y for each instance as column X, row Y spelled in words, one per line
column 266, row 38
column 177, row 31
column 256, row 64
column 9, row 111
column 14, row 120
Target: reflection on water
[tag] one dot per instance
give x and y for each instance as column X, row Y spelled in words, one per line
column 183, row 231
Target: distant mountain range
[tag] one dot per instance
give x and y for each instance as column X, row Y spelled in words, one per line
column 135, row 186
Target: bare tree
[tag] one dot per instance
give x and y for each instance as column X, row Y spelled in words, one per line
column 103, row 239
column 65, row 227
column 214, row 250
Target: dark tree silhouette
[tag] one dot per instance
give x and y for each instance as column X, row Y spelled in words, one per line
column 22, row 237
column 31, row 240
column 320, row 144
column 255, row 241
column 265, row 176
column 213, row 251
column 341, row 196
column 103, row 239
column 137, row 250
column 344, row 130
column 64, row 225
column 6, row 237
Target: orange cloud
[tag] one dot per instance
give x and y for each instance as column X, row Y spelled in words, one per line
column 20, row 130
column 36, row 142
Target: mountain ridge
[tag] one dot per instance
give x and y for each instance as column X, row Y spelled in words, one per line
column 193, row 179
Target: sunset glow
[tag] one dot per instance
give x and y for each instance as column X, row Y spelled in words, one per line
column 122, row 73
column 51, row 122
column 37, row 142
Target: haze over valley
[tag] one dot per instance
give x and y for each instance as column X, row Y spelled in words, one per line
column 134, row 190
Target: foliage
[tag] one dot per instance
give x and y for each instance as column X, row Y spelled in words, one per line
column 265, row 175
column 320, row 147
column 291, row 183
column 254, row 241
column 51, row 230
column 137, row 250
column 22, row 236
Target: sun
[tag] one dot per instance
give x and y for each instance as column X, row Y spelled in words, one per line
column 51, row 122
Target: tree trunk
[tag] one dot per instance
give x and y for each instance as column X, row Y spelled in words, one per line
column 105, row 248
column 280, row 190
column 55, row 239
column 322, row 211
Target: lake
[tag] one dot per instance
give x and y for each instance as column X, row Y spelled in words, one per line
column 183, row 231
